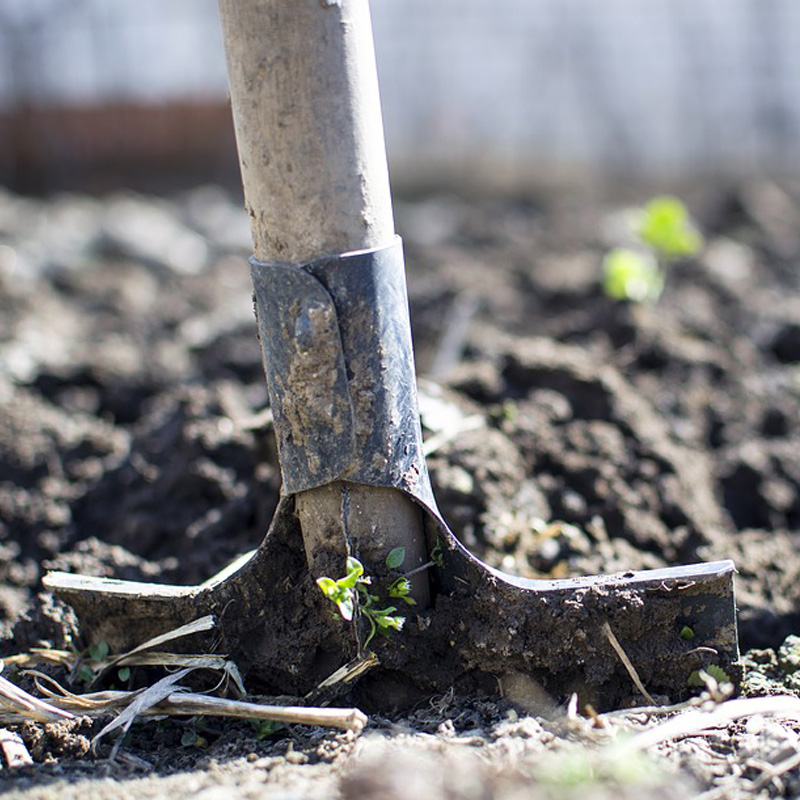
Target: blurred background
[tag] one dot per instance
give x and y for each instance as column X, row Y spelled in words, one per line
column 96, row 94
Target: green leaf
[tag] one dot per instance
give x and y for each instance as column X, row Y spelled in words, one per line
column 713, row 671
column 665, row 225
column 389, row 622
column 436, row 554
column 189, row 738
column 396, row 558
column 355, row 569
column 124, row 673
column 85, row 674
column 382, row 612
column 695, row 681
column 328, row 586
column 687, row 633
column 400, row 589
column 630, row 275
column 385, row 620
column 98, row 651
column 266, row 728
column 346, row 607
column 718, row 674
column 341, row 594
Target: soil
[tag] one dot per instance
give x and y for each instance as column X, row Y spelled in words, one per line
column 577, row 435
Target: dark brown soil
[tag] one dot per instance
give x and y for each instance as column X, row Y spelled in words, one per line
column 588, row 436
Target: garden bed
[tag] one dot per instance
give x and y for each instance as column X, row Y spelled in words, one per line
column 576, row 435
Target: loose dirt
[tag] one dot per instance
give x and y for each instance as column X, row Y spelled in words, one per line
column 574, row 435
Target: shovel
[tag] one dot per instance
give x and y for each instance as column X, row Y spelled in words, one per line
column 330, row 296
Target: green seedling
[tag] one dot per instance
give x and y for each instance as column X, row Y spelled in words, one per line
column 437, row 557
column 586, row 772
column 664, row 232
column 665, row 225
column 93, row 661
column 99, row 651
column 352, row 592
column 192, row 737
column 687, row 633
column 343, row 591
column 631, row 275
column 396, row 558
column 264, row 728
column 696, row 679
column 401, row 589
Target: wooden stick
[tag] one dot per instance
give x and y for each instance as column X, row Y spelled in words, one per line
column 623, row 657
column 14, row 750
column 349, row 719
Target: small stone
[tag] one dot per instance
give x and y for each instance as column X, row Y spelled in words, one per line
column 789, row 654
column 295, row 757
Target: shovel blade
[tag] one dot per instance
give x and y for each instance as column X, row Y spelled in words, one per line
column 483, row 627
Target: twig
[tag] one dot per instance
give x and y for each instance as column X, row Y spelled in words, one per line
column 627, row 663
column 650, row 711
column 419, row 569
column 28, row 706
column 153, row 701
column 694, row 722
column 38, row 655
column 350, row 719
column 722, row 790
column 142, row 701
column 196, row 626
column 353, row 669
column 14, row 750
column 85, row 703
column 781, row 768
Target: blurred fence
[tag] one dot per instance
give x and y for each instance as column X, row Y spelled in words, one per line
column 507, row 87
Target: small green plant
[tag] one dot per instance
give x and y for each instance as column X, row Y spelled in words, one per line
column 687, row 633
column 192, row 737
column 396, row 558
column 437, row 557
column 99, row 651
column 401, row 589
column 92, row 662
column 665, row 225
column 699, row 678
column 352, row 592
column 586, row 772
column 264, row 728
column 631, row 275
column 664, row 232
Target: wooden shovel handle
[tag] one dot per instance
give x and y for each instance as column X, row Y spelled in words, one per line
column 306, row 110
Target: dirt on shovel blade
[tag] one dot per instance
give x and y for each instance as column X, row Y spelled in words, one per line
column 570, row 435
